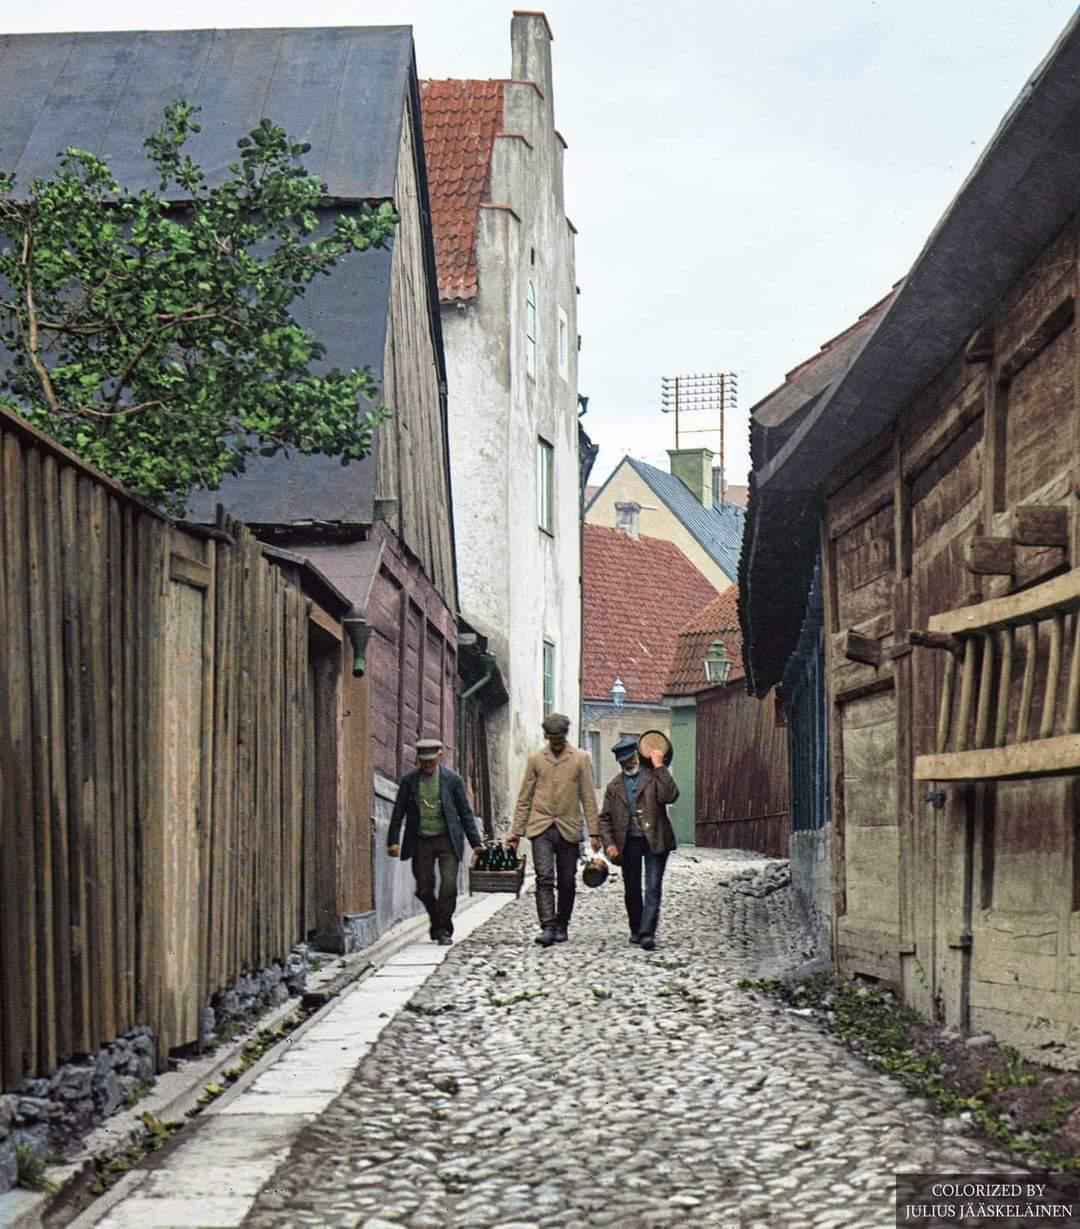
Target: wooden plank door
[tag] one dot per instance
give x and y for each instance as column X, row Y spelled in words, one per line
column 185, row 768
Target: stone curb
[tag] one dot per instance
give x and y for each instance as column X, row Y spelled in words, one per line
column 177, row 1092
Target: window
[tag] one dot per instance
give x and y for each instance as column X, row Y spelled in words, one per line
column 530, row 331
column 545, row 485
column 564, row 344
column 593, row 737
column 549, row 677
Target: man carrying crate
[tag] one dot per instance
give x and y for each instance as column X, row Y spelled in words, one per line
column 556, row 786
column 431, row 800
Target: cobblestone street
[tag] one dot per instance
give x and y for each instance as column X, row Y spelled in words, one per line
column 596, row 1084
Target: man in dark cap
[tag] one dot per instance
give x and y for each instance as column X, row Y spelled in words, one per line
column 431, row 800
column 635, row 829
column 556, row 787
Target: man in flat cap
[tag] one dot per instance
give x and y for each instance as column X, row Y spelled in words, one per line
column 431, row 800
column 556, row 787
column 635, row 829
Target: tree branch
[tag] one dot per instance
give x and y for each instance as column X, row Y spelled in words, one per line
column 32, row 325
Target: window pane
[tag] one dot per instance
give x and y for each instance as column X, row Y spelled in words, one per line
column 530, row 331
column 545, row 485
column 549, row 677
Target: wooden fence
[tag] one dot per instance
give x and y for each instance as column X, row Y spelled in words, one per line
column 164, row 722
column 742, row 772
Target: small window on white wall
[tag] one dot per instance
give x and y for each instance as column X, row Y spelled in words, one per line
column 564, row 344
column 530, row 331
column 545, row 485
column 549, row 677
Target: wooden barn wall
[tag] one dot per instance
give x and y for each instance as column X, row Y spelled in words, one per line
column 965, row 894
column 412, row 663
column 742, row 772
column 413, row 480
column 167, row 769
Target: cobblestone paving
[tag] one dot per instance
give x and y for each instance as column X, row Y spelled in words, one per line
column 597, row 1084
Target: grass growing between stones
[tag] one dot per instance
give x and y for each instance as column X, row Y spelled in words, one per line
column 30, row 1170
column 1032, row 1110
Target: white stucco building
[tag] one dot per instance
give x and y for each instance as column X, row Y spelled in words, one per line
column 505, row 256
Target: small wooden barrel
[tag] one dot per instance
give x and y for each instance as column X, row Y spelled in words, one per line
column 655, row 740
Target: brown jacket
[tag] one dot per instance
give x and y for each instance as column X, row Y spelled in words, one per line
column 553, row 791
column 656, row 788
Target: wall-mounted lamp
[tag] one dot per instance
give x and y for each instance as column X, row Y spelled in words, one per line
column 717, row 663
column 359, row 632
column 617, row 693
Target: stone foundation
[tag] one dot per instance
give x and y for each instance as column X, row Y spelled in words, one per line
column 52, row 1114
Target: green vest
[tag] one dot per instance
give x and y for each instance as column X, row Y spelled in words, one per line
column 429, row 795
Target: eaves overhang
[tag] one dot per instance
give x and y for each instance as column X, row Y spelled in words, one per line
column 1021, row 192
column 1023, row 189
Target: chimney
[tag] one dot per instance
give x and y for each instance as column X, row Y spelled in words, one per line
column 693, row 466
column 719, row 487
column 530, row 46
column 627, row 518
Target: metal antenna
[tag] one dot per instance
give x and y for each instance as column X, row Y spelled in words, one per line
column 715, row 394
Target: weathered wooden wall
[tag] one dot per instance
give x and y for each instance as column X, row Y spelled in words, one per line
column 962, row 891
column 413, row 480
column 162, row 812
column 742, row 772
column 412, row 664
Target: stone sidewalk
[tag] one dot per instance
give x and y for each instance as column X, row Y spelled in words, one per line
column 503, row 1085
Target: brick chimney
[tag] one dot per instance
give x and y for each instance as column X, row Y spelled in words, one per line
column 628, row 518
column 693, row 466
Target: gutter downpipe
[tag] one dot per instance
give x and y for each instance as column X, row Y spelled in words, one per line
column 489, row 661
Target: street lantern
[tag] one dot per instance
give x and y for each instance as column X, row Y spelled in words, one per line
column 618, row 693
column 717, row 663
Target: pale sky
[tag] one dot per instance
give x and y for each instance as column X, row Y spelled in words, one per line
column 746, row 176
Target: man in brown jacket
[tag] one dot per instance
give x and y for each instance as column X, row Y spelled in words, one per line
column 556, row 786
column 635, row 828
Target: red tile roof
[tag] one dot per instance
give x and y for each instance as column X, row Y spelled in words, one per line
column 461, row 120
column 719, row 620
column 638, row 594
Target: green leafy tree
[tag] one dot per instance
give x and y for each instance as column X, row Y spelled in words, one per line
column 153, row 336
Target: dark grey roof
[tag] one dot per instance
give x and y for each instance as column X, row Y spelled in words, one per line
column 342, row 89
column 1021, row 192
column 717, row 530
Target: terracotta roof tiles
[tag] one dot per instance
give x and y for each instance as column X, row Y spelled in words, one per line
column 719, row 620
column 461, row 121
column 638, row 593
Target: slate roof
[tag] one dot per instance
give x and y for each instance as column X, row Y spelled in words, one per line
column 343, row 89
column 638, row 593
column 461, row 120
column 719, row 620
column 717, row 530
column 1020, row 193
column 771, row 611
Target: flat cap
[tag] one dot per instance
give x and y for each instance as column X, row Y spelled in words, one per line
column 427, row 748
column 625, row 747
column 556, row 723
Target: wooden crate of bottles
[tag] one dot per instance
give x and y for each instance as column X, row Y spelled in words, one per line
column 496, row 869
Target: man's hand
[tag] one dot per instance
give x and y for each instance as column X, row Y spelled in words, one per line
column 594, row 841
column 512, row 841
column 393, row 850
column 657, row 758
column 612, row 851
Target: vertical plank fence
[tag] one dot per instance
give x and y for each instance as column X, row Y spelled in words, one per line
column 155, row 758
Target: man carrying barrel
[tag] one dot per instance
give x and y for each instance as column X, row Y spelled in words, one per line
column 636, row 832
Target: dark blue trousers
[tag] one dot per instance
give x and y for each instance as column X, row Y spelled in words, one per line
column 642, row 913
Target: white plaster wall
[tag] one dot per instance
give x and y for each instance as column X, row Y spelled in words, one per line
column 518, row 584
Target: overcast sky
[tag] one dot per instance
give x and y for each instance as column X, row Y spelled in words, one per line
column 746, row 176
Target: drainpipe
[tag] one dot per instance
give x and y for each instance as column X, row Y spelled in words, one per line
column 489, row 662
